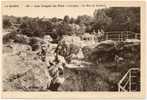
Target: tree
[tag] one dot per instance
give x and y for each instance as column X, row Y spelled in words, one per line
column 6, row 23
column 54, row 19
column 124, row 18
column 85, row 22
column 66, row 19
column 85, row 19
column 57, row 31
column 101, row 20
column 72, row 21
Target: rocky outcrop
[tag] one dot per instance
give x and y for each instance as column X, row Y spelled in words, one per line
column 34, row 79
column 83, row 80
column 25, row 72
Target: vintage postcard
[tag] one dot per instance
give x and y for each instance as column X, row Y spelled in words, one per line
column 73, row 49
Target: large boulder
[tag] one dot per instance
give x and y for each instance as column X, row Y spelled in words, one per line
column 24, row 73
column 104, row 51
column 34, row 79
column 22, row 39
column 47, row 38
column 107, row 51
column 68, row 46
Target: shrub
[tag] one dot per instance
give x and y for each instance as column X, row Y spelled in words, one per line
column 7, row 23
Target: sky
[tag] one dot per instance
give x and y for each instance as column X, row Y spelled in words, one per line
column 48, row 9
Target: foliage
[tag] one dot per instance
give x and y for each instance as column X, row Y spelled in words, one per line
column 124, row 19
column 6, row 23
column 101, row 19
column 108, row 19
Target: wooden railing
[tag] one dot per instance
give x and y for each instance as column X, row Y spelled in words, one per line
column 121, row 35
column 130, row 81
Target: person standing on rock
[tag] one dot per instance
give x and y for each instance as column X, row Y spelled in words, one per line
column 43, row 52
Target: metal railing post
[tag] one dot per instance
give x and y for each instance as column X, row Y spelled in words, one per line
column 118, row 87
column 130, row 81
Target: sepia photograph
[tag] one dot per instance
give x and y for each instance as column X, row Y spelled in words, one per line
column 76, row 47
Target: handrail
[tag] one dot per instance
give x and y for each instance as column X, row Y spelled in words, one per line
column 127, row 74
column 120, row 32
column 120, row 87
